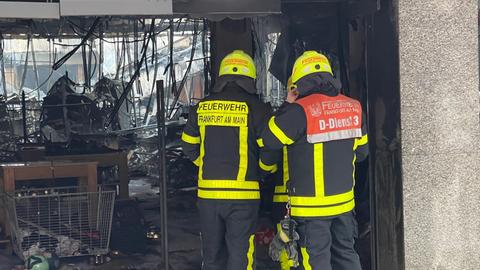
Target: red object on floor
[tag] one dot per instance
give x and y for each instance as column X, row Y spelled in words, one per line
column 264, row 236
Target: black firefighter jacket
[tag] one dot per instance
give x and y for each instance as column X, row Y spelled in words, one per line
column 321, row 175
column 222, row 138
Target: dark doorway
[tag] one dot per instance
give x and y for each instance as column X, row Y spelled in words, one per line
column 361, row 40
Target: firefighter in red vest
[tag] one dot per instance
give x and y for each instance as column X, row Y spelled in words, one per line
column 325, row 134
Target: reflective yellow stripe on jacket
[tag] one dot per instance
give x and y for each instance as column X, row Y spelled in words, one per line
column 190, row 139
column 268, row 168
column 281, row 194
column 228, row 195
column 234, row 115
column 321, row 205
column 281, row 136
column 360, row 141
column 228, row 189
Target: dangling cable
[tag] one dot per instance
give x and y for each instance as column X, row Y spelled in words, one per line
column 205, row 57
column 100, row 53
column 25, row 66
column 171, row 64
column 121, row 53
column 2, row 65
column 52, row 51
column 95, row 62
column 127, row 89
column 155, row 71
column 67, row 56
column 187, row 71
column 86, row 74
column 35, row 69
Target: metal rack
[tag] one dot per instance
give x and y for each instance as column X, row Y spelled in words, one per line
column 60, row 221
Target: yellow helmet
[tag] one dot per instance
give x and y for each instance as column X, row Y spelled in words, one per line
column 290, row 85
column 238, row 63
column 310, row 62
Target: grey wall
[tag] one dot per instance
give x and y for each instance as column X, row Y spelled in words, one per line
column 439, row 81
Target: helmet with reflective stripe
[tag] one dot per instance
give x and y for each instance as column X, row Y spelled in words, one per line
column 310, row 62
column 238, row 63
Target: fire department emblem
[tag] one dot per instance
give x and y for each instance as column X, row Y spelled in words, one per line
column 315, row 109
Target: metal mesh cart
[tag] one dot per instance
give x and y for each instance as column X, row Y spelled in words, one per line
column 60, row 221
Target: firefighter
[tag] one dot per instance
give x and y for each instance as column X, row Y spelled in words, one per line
column 325, row 134
column 222, row 138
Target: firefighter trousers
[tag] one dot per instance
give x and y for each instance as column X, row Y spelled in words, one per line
column 328, row 244
column 228, row 231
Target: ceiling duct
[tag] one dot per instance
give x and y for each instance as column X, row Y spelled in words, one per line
column 29, row 9
column 54, row 9
column 115, row 7
column 220, row 9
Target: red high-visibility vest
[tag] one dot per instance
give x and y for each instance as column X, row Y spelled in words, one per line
column 331, row 118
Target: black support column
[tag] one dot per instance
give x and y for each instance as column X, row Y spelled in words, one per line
column 384, row 138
